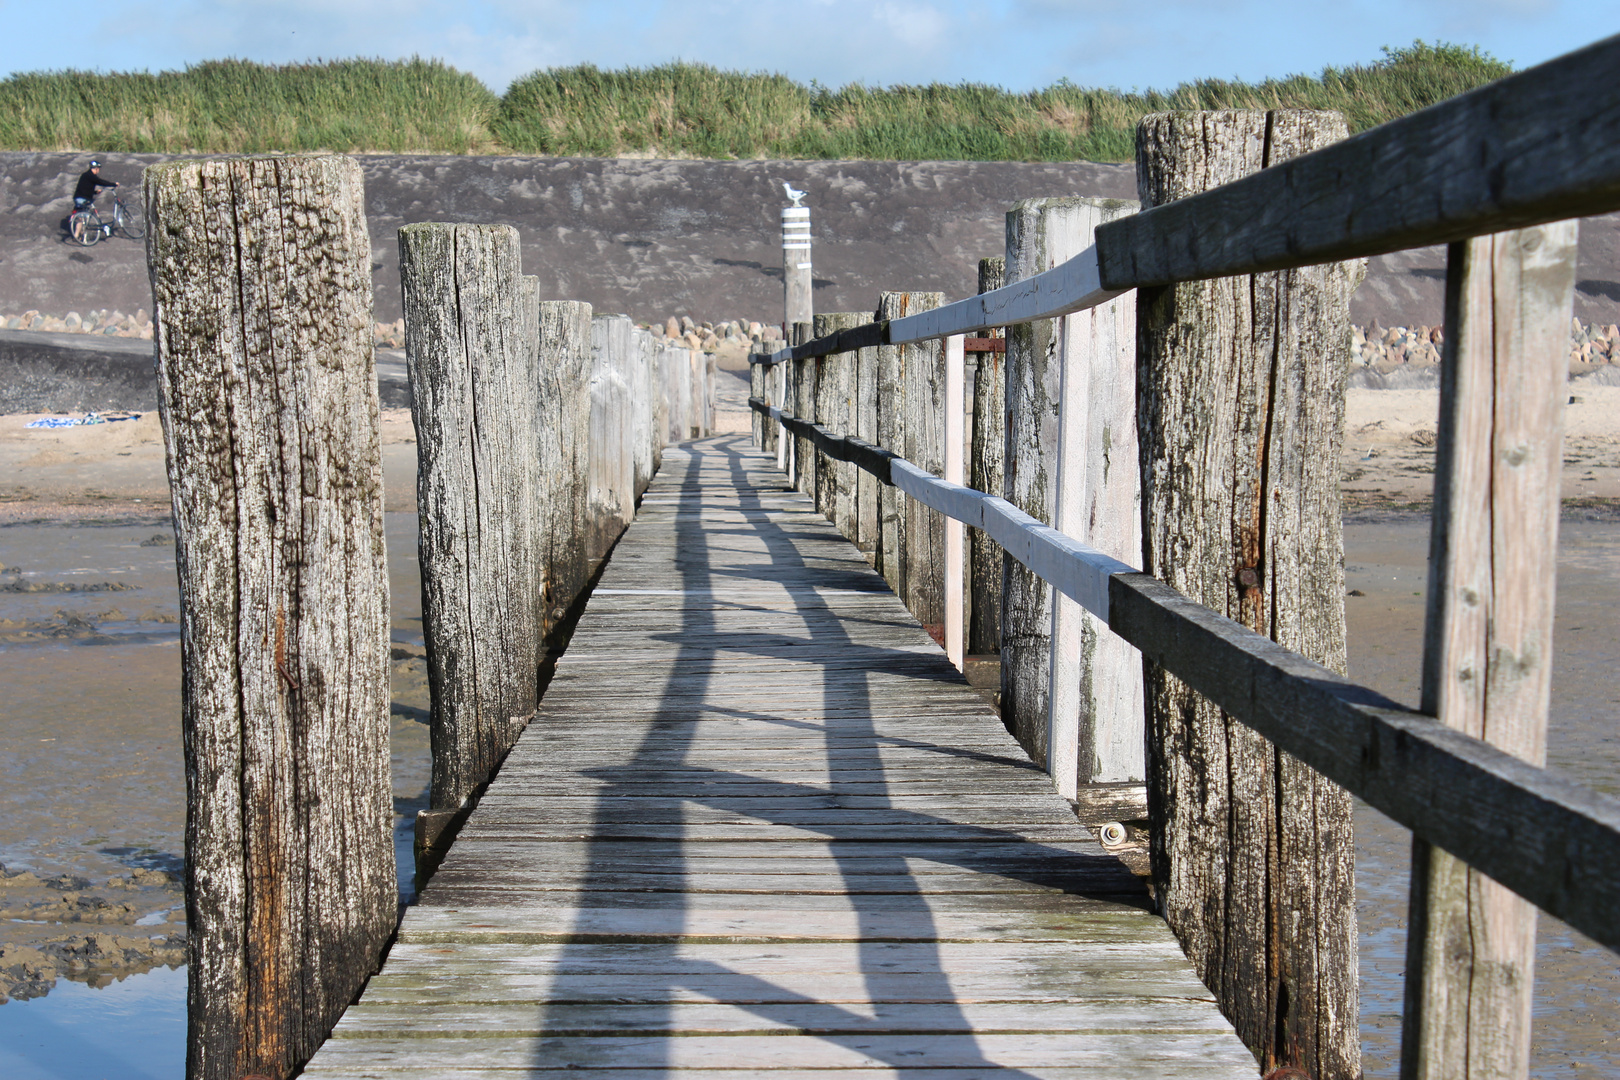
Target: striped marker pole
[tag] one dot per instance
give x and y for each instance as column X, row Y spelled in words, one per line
column 796, row 265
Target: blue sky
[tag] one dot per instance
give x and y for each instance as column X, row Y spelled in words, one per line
column 1019, row 44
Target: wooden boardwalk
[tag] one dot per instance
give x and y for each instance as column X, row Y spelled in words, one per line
column 761, row 825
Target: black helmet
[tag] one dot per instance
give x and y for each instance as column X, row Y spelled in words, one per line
column 95, row 164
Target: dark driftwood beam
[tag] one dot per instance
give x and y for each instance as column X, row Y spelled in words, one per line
column 1549, row 839
column 1539, row 146
column 262, row 286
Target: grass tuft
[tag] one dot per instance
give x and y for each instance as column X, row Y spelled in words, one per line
column 672, row 110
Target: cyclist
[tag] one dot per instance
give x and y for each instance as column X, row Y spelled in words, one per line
column 90, row 185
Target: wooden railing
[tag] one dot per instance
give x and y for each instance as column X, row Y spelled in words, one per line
column 1540, row 147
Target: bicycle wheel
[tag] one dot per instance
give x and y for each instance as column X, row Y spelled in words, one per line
column 84, row 227
column 131, row 219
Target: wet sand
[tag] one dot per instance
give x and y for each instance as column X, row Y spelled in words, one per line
column 92, row 791
column 1577, row 1004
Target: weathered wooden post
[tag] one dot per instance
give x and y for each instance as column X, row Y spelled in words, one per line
column 910, row 421
column 865, row 418
column 660, row 402
column 1240, row 407
column 677, row 391
column 1487, row 654
column 1095, row 716
column 835, row 393
column 711, row 368
column 261, row 284
column 985, row 473
column 475, row 402
column 611, row 462
column 642, row 409
column 802, row 388
column 757, row 388
column 563, row 435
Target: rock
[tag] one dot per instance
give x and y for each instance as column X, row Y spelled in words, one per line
column 687, row 325
column 672, row 327
column 754, row 329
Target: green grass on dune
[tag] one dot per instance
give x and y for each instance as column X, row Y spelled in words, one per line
column 673, row 110
column 233, row 106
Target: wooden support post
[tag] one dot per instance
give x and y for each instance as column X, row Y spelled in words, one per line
column 835, row 400
column 611, row 505
column 1095, row 711
column 660, row 403
column 985, row 473
column 711, row 367
column 1487, row 656
column 955, row 410
column 563, row 434
column 1031, row 445
column 678, row 383
column 906, row 375
column 261, row 284
column 756, row 389
column 784, row 444
column 643, row 415
column 802, row 388
column 475, row 396
column 865, row 421
column 1241, row 410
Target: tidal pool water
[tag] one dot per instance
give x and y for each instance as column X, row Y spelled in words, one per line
column 134, row 1029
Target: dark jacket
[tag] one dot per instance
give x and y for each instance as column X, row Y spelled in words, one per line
column 89, row 184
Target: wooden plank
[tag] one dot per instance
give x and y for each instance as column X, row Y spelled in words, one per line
column 794, row 817
column 1487, row 666
column 1169, row 1053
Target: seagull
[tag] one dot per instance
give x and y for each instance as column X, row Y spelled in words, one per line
column 793, row 193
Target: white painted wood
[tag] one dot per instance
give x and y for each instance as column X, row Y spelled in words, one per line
column 955, row 533
column 1095, row 711
column 1073, row 568
column 1072, row 285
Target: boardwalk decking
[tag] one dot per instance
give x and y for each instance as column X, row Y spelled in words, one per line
column 761, row 825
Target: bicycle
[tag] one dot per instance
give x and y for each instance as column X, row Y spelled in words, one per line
column 86, row 226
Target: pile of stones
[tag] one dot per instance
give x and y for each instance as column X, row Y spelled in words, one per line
column 109, row 323
column 712, row 336
column 1383, row 348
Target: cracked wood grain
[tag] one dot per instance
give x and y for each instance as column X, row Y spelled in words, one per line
column 268, row 395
